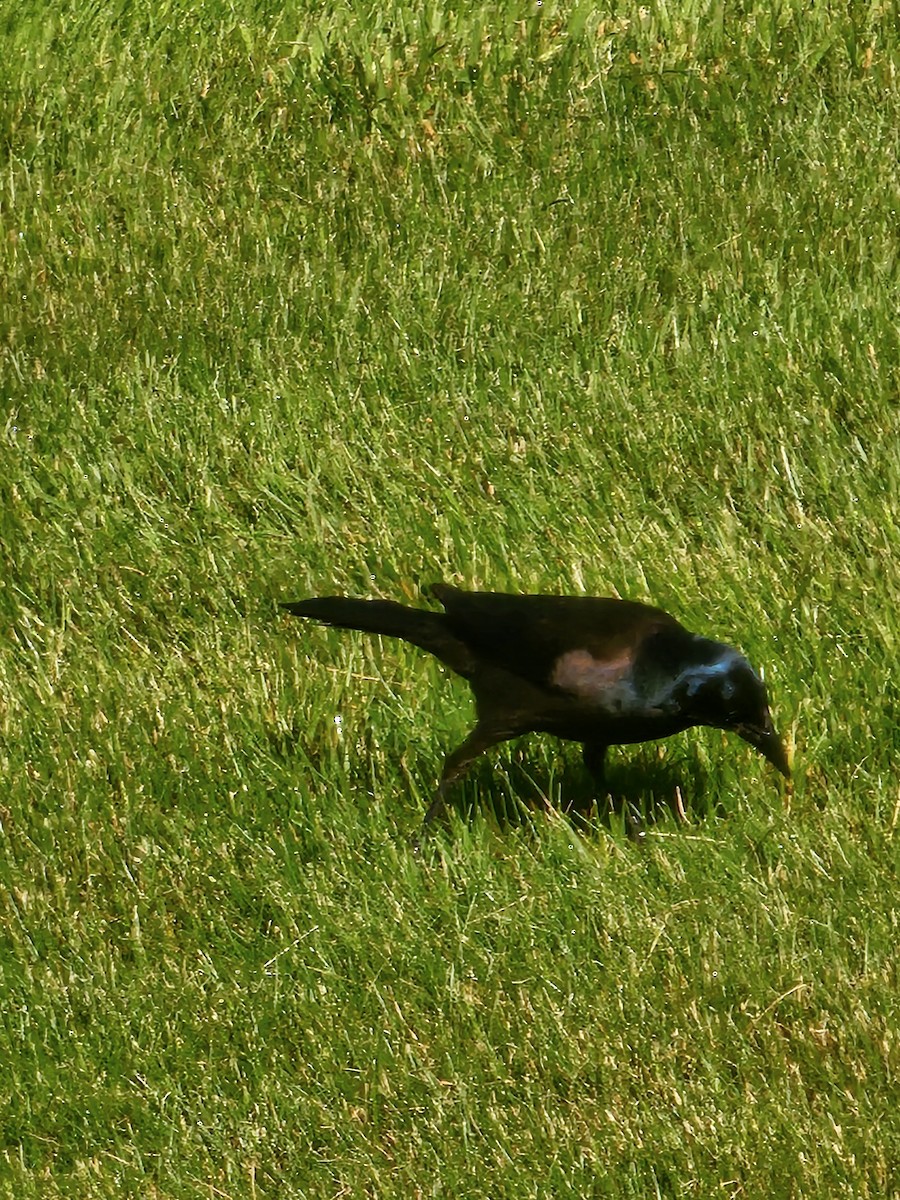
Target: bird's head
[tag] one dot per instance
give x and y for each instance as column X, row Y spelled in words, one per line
column 718, row 687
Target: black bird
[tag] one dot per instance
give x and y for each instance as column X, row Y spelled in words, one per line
column 601, row 672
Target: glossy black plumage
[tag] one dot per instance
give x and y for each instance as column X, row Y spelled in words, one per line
column 597, row 671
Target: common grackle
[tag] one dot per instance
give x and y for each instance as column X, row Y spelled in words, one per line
column 601, row 672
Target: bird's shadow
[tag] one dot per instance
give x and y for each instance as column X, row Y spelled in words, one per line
column 510, row 790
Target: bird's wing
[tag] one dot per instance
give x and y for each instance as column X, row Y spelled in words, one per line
column 577, row 644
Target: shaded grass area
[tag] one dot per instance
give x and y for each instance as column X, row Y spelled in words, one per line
column 314, row 300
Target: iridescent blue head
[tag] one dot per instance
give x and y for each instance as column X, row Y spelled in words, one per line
column 717, row 686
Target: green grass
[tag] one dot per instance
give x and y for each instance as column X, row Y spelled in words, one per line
column 351, row 298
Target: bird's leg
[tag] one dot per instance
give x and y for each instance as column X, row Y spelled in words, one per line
column 456, row 764
column 594, row 755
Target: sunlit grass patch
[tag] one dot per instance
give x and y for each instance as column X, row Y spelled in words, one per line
column 313, row 301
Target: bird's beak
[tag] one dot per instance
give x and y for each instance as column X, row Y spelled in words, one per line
column 768, row 743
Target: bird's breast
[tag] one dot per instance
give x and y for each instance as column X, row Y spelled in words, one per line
column 606, row 684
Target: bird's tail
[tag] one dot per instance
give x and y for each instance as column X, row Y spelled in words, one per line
column 422, row 628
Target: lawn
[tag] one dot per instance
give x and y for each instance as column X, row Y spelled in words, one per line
column 303, row 299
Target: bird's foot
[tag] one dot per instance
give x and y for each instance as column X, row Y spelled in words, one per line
column 634, row 824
